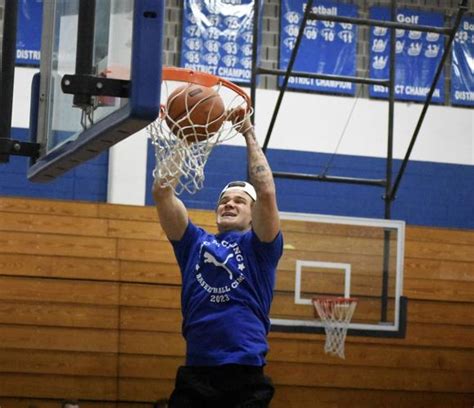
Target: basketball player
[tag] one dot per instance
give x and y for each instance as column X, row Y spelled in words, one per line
column 227, row 287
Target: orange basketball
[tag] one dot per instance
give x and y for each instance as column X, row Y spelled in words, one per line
column 195, row 112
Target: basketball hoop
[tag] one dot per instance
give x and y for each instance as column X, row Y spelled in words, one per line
column 180, row 160
column 335, row 314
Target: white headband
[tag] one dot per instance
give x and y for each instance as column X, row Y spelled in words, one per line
column 240, row 186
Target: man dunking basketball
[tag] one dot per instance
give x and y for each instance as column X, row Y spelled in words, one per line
column 227, row 287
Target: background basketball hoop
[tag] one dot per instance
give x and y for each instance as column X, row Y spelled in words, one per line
column 335, row 314
column 184, row 137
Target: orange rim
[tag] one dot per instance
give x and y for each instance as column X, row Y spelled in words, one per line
column 201, row 78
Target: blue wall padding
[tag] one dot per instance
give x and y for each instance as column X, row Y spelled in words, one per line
column 432, row 194
column 87, row 182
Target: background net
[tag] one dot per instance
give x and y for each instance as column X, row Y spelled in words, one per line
column 335, row 314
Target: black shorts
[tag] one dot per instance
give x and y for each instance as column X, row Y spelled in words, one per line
column 227, row 386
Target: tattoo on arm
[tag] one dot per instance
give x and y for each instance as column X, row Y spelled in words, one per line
column 260, row 172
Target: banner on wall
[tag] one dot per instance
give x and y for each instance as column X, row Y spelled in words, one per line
column 327, row 47
column 462, row 67
column 417, row 55
column 28, row 37
column 217, row 38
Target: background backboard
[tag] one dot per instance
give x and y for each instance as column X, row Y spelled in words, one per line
column 345, row 257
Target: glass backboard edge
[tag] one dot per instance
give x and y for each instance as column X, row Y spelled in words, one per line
column 143, row 106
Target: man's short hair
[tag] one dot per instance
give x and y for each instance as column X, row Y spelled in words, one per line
column 239, row 186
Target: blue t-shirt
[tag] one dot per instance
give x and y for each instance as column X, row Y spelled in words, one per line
column 228, row 282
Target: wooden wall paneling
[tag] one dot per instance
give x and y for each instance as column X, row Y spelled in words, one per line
column 56, row 403
column 146, row 389
column 150, row 367
column 412, row 233
column 311, row 375
column 58, row 362
column 321, row 397
column 373, row 378
column 60, row 291
column 439, row 269
column 56, row 207
column 357, row 356
column 135, row 230
column 60, row 315
column 12, row 402
column 161, row 296
column 55, row 266
column 58, row 386
column 152, row 343
column 440, row 290
column 436, row 312
column 55, row 244
column 449, row 336
column 58, row 338
column 145, row 250
column 205, row 219
column 418, row 334
column 334, row 244
column 441, row 251
column 310, row 227
column 151, row 319
column 449, row 313
column 126, row 212
column 109, row 325
column 150, row 272
column 439, row 235
column 53, row 224
column 371, row 355
column 440, row 335
column 148, row 214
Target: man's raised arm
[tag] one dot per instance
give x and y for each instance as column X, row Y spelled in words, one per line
column 265, row 216
column 172, row 213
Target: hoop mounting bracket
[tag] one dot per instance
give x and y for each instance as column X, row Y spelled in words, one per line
column 90, row 85
column 11, row 147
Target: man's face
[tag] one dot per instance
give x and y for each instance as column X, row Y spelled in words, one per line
column 234, row 211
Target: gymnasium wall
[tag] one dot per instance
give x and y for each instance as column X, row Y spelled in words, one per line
column 90, row 310
column 307, row 138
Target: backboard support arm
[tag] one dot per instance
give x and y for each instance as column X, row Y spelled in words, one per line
column 85, row 48
column 7, row 76
column 12, row 147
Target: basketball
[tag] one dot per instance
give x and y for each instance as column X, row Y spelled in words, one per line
column 195, row 112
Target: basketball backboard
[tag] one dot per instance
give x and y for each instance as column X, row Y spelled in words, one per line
column 97, row 87
column 343, row 257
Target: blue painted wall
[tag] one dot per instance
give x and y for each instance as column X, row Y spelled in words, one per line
column 430, row 194
column 87, row 182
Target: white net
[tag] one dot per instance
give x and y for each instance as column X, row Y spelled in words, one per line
column 182, row 154
column 335, row 314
